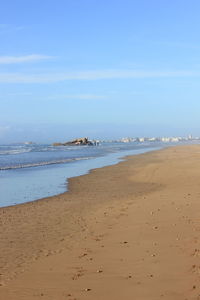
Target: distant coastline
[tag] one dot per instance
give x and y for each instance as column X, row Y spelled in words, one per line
column 87, row 141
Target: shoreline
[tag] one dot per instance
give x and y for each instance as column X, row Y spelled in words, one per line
column 94, row 163
column 88, row 237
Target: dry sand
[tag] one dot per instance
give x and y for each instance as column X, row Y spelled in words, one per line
column 129, row 231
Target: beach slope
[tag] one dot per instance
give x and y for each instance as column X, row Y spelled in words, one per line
column 128, row 231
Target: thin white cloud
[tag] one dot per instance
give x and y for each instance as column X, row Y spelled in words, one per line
column 8, row 28
column 92, row 75
column 78, row 96
column 23, row 59
column 20, row 94
column 12, row 95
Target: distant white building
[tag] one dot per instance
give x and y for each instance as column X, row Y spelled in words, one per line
column 141, row 140
column 153, row 139
column 165, row 139
column 174, row 139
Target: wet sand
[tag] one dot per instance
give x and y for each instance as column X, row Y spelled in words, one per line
column 128, row 231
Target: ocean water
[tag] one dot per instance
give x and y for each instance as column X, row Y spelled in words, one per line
column 30, row 172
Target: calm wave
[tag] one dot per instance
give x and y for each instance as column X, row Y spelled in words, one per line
column 43, row 163
column 30, row 172
column 27, row 156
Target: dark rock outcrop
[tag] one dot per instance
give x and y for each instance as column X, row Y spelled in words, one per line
column 79, row 142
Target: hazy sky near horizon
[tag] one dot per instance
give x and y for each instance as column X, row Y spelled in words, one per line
column 99, row 68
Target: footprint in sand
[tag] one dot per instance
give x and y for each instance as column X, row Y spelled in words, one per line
column 121, row 215
column 153, row 255
column 124, row 208
column 97, row 239
column 196, row 252
column 79, row 274
column 82, row 255
column 125, row 242
column 87, row 290
column 100, row 271
column 129, row 277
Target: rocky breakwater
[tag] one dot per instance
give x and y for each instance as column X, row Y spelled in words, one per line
column 76, row 142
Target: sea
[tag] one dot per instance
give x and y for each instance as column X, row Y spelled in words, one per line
column 34, row 171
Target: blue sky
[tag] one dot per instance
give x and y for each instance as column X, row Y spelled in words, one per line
column 98, row 68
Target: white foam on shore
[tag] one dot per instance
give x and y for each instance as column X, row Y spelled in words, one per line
column 44, row 163
column 29, row 184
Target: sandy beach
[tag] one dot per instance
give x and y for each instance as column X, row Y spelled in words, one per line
column 128, row 231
